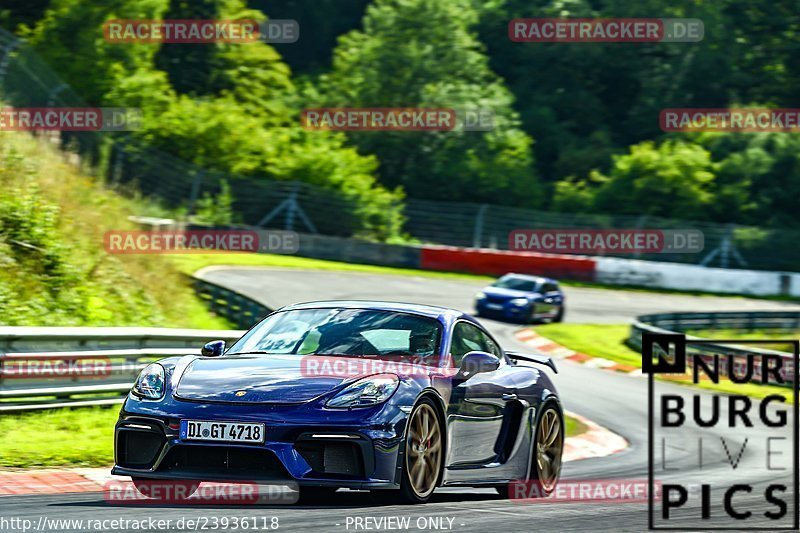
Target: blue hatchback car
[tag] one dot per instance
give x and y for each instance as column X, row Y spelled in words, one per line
column 521, row 297
column 388, row 397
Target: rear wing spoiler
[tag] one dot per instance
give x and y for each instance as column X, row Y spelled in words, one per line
column 530, row 358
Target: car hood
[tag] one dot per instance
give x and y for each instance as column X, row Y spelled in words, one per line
column 506, row 294
column 252, row 379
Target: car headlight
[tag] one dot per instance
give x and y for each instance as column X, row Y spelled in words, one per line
column 151, row 383
column 519, row 302
column 480, row 296
column 366, row 392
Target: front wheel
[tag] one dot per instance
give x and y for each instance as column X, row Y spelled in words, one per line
column 560, row 315
column 422, row 461
column 531, row 319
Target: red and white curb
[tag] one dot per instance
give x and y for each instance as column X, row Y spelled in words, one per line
column 553, row 349
column 596, row 442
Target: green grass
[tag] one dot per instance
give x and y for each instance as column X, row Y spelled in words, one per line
column 61, row 437
column 191, row 263
column 598, row 340
column 608, row 341
column 54, row 269
column 574, row 426
column 756, row 334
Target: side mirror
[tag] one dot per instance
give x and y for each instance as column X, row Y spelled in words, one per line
column 477, row 362
column 213, row 349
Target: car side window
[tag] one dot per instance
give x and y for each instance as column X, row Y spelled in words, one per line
column 469, row 338
column 549, row 287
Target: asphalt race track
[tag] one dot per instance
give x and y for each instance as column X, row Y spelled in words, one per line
column 616, row 401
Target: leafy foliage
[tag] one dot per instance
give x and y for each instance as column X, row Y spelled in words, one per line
column 591, row 108
column 234, row 110
column 421, row 53
column 53, row 267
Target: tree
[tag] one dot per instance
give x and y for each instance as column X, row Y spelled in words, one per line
column 21, row 12
column 321, row 22
column 421, row 53
column 672, row 180
column 190, row 66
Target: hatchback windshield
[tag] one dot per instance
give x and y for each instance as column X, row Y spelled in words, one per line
column 346, row 332
column 517, row 284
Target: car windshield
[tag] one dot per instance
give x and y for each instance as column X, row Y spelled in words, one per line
column 517, row 284
column 343, row 332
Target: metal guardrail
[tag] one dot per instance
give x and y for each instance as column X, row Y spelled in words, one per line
column 749, row 321
column 239, row 309
column 43, row 368
column 47, row 367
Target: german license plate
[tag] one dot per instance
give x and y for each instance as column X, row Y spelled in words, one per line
column 222, row 431
column 494, row 306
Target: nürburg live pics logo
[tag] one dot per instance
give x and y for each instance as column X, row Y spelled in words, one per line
column 724, row 451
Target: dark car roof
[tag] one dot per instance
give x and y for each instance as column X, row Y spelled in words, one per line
column 431, row 311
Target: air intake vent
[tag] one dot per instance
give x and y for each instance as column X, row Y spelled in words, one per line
column 138, row 449
column 332, row 458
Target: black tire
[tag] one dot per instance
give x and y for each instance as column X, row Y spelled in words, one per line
column 428, row 456
column 539, row 485
column 316, row 495
column 165, row 490
column 531, row 318
column 560, row 315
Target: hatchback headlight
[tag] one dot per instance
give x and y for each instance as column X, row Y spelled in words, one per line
column 151, row 383
column 366, row 392
column 519, row 302
column 480, row 295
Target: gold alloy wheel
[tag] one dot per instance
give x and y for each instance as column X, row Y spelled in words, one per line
column 424, row 445
column 549, row 445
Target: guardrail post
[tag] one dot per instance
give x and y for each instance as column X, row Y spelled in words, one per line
column 196, row 183
column 477, row 235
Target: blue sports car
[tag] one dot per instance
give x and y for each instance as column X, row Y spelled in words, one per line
column 393, row 398
column 520, row 297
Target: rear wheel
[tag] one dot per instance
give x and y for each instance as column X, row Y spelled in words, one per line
column 165, row 490
column 548, row 446
column 560, row 315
